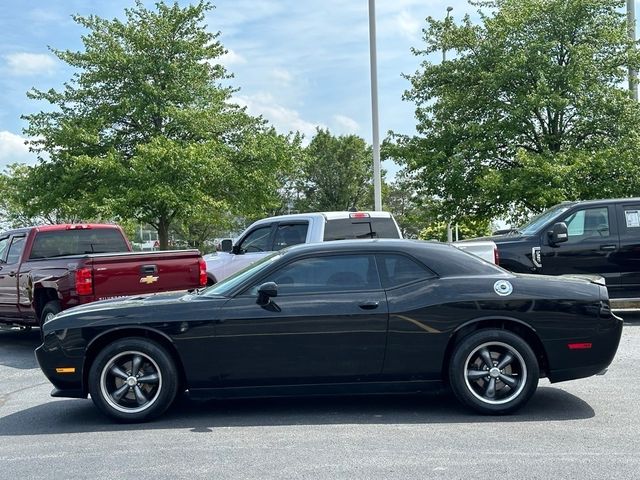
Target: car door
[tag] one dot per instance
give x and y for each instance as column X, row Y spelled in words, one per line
column 327, row 324
column 628, row 255
column 591, row 246
column 10, row 254
column 256, row 244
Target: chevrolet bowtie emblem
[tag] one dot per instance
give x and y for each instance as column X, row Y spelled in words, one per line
column 149, row 279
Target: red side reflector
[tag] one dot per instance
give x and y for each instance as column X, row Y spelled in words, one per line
column 84, row 281
column 203, row 272
column 359, row 215
column 579, row 346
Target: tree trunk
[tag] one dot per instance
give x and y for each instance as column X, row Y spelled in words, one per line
column 163, row 233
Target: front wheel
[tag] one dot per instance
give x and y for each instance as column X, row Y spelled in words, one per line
column 133, row 380
column 493, row 371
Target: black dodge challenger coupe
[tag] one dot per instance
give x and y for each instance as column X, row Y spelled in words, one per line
column 361, row 316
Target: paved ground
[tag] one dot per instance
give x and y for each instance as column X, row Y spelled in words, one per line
column 587, row 429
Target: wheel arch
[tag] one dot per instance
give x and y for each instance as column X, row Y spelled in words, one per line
column 513, row 325
column 41, row 296
column 110, row 336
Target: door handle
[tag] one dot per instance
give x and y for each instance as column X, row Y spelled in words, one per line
column 12, row 274
column 608, row 247
column 369, row 305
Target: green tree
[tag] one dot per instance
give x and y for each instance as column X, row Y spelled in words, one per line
column 146, row 128
column 335, row 173
column 530, row 109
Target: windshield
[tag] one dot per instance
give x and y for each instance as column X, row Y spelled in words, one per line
column 538, row 221
column 228, row 284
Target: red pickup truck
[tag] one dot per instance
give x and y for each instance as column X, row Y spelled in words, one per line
column 46, row 269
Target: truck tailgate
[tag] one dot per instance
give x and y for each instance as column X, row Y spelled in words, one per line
column 144, row 272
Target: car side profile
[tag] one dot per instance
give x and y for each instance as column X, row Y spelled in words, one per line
column 364, row 316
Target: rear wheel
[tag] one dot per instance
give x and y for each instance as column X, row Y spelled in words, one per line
column 50, row 310
column 493, row 371
column 133, row 380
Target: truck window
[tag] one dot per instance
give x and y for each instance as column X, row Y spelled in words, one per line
column 15, row 250
column 290, row 234
column 257, row 240
column 4, row 243
column 588, row 223
column 61, row 243
column 348, row 228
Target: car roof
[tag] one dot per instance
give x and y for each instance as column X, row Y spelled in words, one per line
column 325, row 215
column 61, row 226
column 601, row 201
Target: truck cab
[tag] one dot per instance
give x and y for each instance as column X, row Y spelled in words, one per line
column 275, row 233
column 597, row 237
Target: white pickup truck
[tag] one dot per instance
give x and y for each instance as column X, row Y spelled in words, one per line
column 275, row 233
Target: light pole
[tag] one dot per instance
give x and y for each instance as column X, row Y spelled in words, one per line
column 631, row 29
column 444, row 59
column 377, row 182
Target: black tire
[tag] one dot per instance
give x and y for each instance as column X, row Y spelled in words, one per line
column 120, row 392
column 50, row 309
column 505, row 386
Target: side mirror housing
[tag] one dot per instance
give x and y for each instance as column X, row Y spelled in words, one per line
column 266, row 292
column 558, row 233
column 226, row 245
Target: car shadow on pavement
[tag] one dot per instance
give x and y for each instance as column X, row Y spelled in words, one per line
column 17, row 347
column 80, row 416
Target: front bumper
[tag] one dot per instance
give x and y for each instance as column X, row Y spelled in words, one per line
column 64, row 372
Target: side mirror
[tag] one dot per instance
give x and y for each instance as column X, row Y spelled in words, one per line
column 226, row 245
column 236, row 249
column 266, row 292
column 558, row 233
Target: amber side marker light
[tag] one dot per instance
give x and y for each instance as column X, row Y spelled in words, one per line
column 579, row 346
column 66, row 370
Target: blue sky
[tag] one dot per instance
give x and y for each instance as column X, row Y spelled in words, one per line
column 300, row 64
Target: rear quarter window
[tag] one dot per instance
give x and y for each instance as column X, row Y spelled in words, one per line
column 354, row 228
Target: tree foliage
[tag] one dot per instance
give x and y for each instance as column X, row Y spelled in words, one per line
column 147, row 129
column 530, row 109
column 335, row 173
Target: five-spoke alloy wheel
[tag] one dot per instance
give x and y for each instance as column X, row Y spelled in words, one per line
column 493, row 371
column 133, row 379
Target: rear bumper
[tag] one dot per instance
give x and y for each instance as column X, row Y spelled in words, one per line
column 581, row 363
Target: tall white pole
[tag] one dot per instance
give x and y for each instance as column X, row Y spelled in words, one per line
column 631, row 28
column 444, row 59
column 377, row 182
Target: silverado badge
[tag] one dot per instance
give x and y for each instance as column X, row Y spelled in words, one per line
column 149, row 279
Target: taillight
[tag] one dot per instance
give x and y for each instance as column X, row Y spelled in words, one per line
column 203, row 272
column 84, row 281
column 496, row 256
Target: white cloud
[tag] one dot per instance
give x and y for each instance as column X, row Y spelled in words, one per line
column 346, row 124
column 282, row 118
column 231, row 58
column 408, row 25
column 30, row 63
column 14, row 150
column 282, row 76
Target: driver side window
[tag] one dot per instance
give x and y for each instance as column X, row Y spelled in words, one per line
column 592, row 223
column 4, row 243
column 259, row 240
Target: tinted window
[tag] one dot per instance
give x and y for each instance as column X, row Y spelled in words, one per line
column 348, row 228
column 292, row 234
column 328, row 273
column 77, row 242
column 4, row 243
column 588, row 223
column 398, row 270
column 258, row 240
column 15, row 250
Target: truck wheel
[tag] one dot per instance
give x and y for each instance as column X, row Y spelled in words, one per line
column 50, row 310
column 493, row 371
column 133, row 380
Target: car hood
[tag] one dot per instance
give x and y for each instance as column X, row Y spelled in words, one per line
column 501, row 239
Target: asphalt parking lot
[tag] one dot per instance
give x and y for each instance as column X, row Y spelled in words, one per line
column 581, row 429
